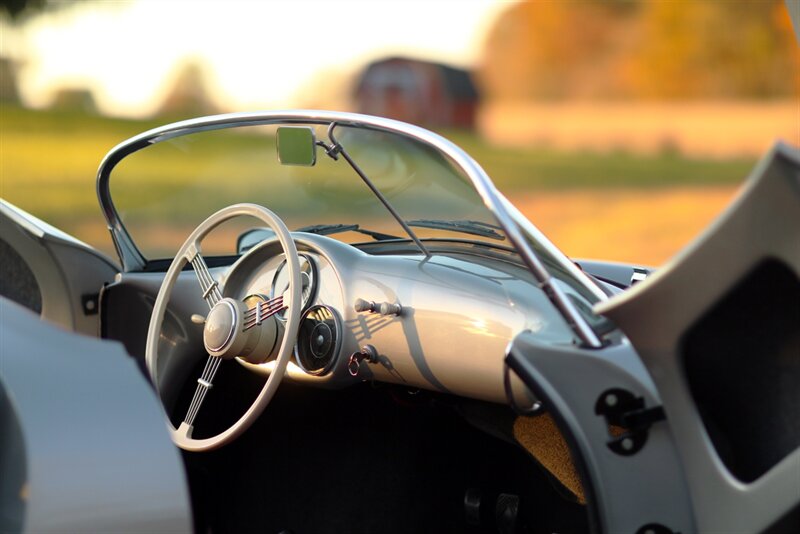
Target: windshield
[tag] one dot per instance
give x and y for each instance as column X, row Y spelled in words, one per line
column 166, row 181
column 164, row 191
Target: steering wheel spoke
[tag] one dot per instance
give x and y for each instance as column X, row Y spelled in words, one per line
column 204, row 384
column 210, row 287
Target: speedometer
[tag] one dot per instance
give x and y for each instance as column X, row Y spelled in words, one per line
column 280, row 284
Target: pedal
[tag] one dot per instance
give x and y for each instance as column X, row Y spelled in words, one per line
column 506, row 512
column 472, row 507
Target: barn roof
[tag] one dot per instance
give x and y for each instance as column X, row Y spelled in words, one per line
column 458, row 82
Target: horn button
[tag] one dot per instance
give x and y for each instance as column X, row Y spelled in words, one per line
column 220, row 328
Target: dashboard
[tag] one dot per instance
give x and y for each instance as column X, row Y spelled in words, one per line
column 441, row 323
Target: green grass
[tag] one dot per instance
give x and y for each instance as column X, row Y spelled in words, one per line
column 525, row 169
column 49, row 160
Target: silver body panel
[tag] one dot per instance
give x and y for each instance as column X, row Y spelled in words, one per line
column 96, row 454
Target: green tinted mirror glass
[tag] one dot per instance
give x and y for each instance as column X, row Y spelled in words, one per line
column 296, row 146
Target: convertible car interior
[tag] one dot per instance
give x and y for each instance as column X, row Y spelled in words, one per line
column 350, row 329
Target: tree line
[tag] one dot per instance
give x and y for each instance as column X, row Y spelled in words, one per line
column 657, row 50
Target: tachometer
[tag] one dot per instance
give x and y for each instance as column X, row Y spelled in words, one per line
column 280, row 284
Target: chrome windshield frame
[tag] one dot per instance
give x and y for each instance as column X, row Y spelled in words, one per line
column 508, row 217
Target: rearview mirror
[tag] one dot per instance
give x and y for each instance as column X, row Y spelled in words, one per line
column 296, row 146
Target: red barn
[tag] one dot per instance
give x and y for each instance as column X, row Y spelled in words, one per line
column 419, row 92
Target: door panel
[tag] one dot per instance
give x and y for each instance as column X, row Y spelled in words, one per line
column 83, row 446
column 638, row 491
column 719, row 330
column 50, row 272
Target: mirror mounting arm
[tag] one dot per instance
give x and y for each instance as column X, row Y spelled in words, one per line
column 335, row 150
column 331, row 150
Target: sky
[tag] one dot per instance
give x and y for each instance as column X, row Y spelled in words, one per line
column 261, row 53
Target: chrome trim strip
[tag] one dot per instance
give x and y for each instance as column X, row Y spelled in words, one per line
column 35, row 226
column 509, row 218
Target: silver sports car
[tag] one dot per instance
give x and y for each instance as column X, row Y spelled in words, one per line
column 329, row 322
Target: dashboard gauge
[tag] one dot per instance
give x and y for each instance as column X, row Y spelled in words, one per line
column 318, row 340
column 308, row 277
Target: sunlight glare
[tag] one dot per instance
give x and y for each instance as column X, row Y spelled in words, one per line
column 259, row 53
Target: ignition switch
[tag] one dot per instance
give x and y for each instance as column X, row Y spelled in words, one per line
column 367, row 352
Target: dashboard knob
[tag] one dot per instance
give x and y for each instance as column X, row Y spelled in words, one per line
column 384, row 308
column 387, row 308
column 362, row 305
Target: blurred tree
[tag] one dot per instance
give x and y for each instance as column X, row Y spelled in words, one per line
column 80, row 99
column 716, row 49
column 328, row 88
column 14, row 14
column 14, row 8
column 19, row 10
column 545, row 50
column 661, row 49
column 9, row 93
column 188, row 93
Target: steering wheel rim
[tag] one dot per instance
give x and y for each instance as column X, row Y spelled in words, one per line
column 190, row 252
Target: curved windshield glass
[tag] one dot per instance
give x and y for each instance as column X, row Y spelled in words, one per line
column 164, row 191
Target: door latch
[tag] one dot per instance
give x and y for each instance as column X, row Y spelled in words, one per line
column 627, row 418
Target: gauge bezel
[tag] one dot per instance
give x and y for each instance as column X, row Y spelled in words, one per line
column 312, row 283
column 338, row 331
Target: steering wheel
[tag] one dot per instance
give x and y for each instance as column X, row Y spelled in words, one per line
column 230, row 329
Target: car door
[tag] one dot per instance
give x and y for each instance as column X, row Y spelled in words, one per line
column 50, row 272
column 718, row 328
column 83, row 445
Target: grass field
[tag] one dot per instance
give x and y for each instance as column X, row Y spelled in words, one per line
column 645, row 226
column 718, row 128
column 48, row 162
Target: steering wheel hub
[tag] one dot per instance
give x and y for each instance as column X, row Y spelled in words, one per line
column 220, row 327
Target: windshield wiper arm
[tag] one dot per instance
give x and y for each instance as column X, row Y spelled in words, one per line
column 334, row 150
column 328, row 229
column 468, row 227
